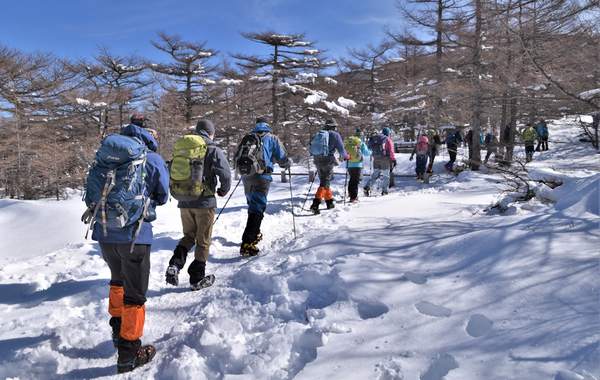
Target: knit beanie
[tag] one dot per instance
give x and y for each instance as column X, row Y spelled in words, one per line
column 359, row 133
column 386, row 131
column 261, row 119
column 205, row 125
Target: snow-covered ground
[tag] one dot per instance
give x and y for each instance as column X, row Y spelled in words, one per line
column 423, row 283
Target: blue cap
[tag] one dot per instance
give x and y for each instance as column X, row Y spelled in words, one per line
column 386, row 131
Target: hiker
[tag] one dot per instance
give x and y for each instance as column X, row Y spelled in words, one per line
column 322, row 147
column 529, row 135
column 491, row 144
column 542, row 130
column 383, row 157
column 130, row 268
column 434, row 148
column 197, row 215
column 357, row 149
column 256, row 186
column 421, row 149
column 452, row 141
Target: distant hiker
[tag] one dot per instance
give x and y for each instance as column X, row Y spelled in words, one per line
column 542, row 130
column 256, row 175
column 198, row 210
column 434, row 148
column 383, row 158
column 491, row 144
column 128, row 256
column 322, row 147
column 529, row 135
column 469, row 141
column 357, row 149
column 508, row 145
column 422, row 150
column 452, row 141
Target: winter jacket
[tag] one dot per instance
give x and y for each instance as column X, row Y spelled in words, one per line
column 215, row 165
column 389, row 148
column 335, row 144
column 273, row 151
column 469, row 138
column 529, row 135
column 157, row 187
column 366, row 152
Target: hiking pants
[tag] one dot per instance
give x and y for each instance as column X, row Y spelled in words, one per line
column 129, row 274
column 542, row 143
column 529, row 150
column 256, row 190
column 197, row 230
column 325, row 168
column 432, row 154
column 421, row 165
column 381, row 167
column 355, row 177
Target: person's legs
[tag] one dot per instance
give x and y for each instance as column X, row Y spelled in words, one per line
column 115, row 294
column 136, row 272
column 204, row 222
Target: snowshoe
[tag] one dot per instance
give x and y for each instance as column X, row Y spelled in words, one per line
column 143, row 355
column 204, row 283
column 172, row 275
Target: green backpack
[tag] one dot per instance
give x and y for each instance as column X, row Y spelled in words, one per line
column 186, row 169
column 352, row 146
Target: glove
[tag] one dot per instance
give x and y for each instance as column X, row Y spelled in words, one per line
column 221, row 193
column 394, row 163
column 410, row 159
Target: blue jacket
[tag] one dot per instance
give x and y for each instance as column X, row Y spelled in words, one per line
column 157, row 187
column 215, row 165
column 366, row 152
column 273, row 151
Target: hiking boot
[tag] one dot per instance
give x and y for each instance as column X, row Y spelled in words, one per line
column 367, row 190
column 249, row 249
column 204, row 283
column 315, row 206
column 172, row 275
column 143, row 355
column 430, row 170
column 353, row 200
column 330, row 204
column 384, row 192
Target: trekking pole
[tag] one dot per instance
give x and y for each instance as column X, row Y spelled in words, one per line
column 227, row 201
column 345, row 182
column 292, row 197
column 307, row 194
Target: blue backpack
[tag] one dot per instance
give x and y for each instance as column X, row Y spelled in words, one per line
column 319, row 146
column 115, row 192
column 377, row 145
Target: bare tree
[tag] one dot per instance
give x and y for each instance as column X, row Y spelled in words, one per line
column 188, row 72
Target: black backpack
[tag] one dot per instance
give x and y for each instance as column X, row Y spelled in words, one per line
column 249, row 159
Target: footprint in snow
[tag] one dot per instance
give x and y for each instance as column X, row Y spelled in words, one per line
column 440, row 367
column 368, row 309
column 432, row 310
column 415, row 278
column 479, row 325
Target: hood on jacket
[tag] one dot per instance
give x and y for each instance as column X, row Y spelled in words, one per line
column 262, row 127
column 136, row 131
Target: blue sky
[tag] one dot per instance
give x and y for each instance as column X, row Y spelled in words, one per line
column 73, row 28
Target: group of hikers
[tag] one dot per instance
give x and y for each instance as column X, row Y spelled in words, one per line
column 128, row 180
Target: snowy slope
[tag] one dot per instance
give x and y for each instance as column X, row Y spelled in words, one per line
column 420, row 284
